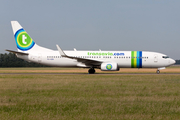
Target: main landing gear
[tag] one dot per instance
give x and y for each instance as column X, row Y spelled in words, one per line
column 91, row 71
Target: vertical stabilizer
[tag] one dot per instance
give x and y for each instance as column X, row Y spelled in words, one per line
column 23, row 41
column 15, row 26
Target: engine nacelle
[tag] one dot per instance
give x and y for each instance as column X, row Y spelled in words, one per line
column 109, row 67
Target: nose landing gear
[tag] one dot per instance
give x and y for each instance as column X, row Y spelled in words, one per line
column 91, row 71
column 158, row 71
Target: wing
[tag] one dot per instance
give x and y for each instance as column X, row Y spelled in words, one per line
column 88, row 62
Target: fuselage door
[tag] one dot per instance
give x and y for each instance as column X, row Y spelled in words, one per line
column 39, row 57
column 155, row 58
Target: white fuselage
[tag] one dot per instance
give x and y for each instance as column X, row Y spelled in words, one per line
column 124, row 59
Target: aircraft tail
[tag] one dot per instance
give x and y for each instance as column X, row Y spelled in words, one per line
column 23, row 41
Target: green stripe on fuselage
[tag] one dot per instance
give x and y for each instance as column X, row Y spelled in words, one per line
column 132, row 59
column 136, row 59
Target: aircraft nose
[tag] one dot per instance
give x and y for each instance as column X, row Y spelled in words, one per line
column 173, row 61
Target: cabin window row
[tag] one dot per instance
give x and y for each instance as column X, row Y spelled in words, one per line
column 133, row 57
column 99, row 57
column 76, row 57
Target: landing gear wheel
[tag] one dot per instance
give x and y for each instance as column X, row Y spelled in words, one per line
column 91, row 71
column 157, row 71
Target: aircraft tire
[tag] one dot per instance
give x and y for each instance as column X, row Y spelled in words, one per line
column 91, row 71
column 157, row 71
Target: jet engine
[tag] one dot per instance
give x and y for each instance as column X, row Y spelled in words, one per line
column 109, row 67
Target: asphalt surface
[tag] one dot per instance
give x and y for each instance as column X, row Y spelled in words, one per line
column 89, row 74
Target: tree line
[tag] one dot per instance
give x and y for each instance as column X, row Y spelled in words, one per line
column 10, row 60
column 177, row 62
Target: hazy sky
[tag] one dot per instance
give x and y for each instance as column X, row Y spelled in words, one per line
column 148, row 25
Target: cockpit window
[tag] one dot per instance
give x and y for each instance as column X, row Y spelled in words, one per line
column 165, row 57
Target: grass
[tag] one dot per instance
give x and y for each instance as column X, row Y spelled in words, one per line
column 96, row 96
column 172, row 69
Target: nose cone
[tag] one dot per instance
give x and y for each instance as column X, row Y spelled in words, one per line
column 172, row 62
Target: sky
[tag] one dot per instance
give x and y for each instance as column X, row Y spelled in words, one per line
column 132, row 25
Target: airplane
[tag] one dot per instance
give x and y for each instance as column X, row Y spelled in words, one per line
column 28, row 50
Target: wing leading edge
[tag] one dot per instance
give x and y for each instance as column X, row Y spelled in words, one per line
column 87, row 62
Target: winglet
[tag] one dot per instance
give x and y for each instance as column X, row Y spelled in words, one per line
column 61, row 52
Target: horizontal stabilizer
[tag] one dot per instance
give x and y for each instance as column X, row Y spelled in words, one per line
column 16, row 52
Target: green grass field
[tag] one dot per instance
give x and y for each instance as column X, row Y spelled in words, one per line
column 98, row 96
column 172, row 69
